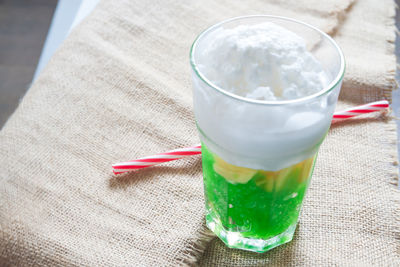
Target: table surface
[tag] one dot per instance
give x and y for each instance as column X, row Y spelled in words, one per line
column 23, row 29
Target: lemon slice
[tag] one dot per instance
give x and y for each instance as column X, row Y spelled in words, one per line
column 232, row 173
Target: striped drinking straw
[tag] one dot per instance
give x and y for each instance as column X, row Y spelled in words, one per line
column 196, row 149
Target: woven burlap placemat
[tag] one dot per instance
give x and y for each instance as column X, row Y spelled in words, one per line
column 119, row 88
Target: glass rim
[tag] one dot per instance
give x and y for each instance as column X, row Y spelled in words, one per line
column 325, row 90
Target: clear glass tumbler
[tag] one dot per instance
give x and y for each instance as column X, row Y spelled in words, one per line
column 249, row 207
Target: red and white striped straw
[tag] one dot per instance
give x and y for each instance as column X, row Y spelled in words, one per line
column 156, row 159
column 363, row 109
column 196, row 150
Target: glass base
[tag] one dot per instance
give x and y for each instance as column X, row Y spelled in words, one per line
column 238, row 241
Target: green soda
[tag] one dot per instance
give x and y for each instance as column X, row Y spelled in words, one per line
column 252, row 209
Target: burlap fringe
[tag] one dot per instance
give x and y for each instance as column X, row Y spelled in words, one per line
column 391, row 144
column 196, row 250
column 390, row 76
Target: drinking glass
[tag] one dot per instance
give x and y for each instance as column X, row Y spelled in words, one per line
column 258, row 156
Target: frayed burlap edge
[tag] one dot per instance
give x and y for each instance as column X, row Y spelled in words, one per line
column 194, row 252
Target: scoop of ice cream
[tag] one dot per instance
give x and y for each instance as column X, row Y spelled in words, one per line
column 262, row 61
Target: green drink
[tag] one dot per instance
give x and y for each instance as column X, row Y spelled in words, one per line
column 264, row 91
column 243, row 202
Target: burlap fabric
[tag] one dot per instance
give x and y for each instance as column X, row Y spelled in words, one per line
column 119, row 88
column 367, row 34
